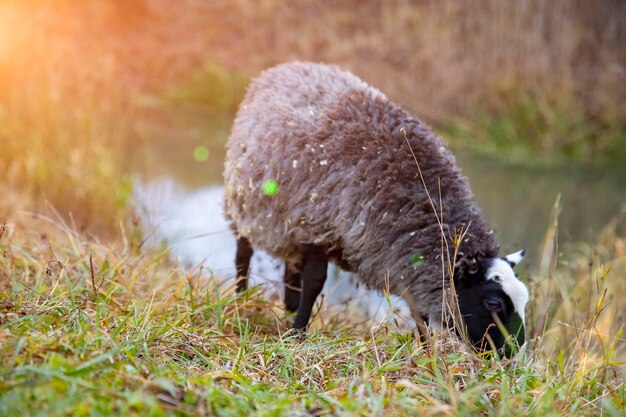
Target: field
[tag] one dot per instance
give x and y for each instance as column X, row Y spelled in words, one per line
column 94, row 329
column 94, row 321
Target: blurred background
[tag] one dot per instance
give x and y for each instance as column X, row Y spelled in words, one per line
column 117, row 112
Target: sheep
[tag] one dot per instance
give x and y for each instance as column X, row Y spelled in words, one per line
column 321, row 167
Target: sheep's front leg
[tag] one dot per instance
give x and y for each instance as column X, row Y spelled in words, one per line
column 242, row 262
column 314, row 266
column 293, row 285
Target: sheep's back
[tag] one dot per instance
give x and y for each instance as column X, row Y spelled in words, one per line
column 339, row 151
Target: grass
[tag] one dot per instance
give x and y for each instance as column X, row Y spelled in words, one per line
column 63, row 125
column 64, row 161
column 95, row 329
column 211, row 86
column 542, row 128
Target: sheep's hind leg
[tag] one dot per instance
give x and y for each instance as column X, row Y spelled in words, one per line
column 314, row 265
column 293, row 285
column 421, row 320
column 242, row 263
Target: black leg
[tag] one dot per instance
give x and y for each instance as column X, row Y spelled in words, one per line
column 293, row 286
column 242, row 263
column 421, row 327
column 314, row 265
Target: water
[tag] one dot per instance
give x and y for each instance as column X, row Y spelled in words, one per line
column 518, row 200
column 182, row 204
column 192, row 222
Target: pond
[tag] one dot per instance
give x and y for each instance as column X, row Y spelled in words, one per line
column 181, row 203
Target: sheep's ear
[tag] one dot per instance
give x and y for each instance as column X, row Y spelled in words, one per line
column 515, row 258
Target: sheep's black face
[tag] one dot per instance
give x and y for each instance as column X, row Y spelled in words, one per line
column 492, row 301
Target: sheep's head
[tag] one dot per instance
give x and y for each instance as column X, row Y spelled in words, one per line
column 491, row 302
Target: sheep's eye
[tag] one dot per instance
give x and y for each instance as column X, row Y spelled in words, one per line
column 494, row 304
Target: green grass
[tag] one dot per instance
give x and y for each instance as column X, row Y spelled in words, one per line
column 211, row 86
column 89, row 329
column 541, row 127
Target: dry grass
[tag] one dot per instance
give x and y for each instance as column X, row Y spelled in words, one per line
column 109, row 329
column 526, row 78
column 452, row 57
column 80, row 79
column 448, row 61
column 63, row 122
